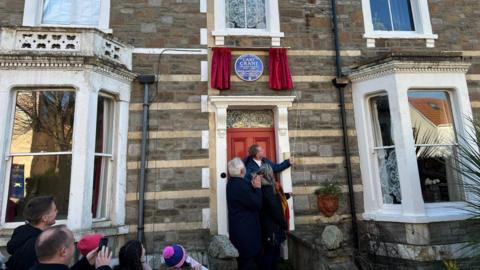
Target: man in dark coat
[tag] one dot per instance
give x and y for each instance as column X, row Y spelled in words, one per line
column 55, row 248
column 40, row 214
column 256, row 158
column 244, row 201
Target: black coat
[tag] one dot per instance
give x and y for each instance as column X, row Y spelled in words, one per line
column 21, row 247
column 80, row 265
column 251, row 166
column 272, row 217
column 244, row 203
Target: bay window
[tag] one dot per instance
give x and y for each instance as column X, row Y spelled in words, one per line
column 409, row 116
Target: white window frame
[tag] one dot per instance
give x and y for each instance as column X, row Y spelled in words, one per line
column 272, row 29
column 396, row 79
column 110, row 156
column 421, row 21
column 10, row 155
column 33, row 13
column 87, row 85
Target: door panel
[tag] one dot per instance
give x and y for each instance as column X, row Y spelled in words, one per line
column 240, row 139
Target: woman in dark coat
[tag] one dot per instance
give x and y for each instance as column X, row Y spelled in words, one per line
column 273, row 218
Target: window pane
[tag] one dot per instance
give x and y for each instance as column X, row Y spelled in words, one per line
column 253, row 11
column 43, row 121
column 431, row 116
column 387, row 161
column 65, row 12
column 256, row 14
column 433, row 128
column 103, row 145
column 57, row 11
column 381, row 121
column 380, row 15
column 389, row 179
column 88, row 12
column 100, row 175
column 438, row 176
column 402, row 15
column 103, row 137
column 235, row 12
column 32, row 176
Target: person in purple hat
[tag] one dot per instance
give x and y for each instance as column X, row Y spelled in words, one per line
column 176, row 257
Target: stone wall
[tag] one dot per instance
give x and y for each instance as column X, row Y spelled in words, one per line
column 176, row 205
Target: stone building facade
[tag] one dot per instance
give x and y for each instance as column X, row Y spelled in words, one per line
column 428, row 51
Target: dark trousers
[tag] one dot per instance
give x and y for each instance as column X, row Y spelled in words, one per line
column 271, row 257
column 247, row 263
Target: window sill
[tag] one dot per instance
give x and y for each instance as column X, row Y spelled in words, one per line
column 221, row 34
column 434, row 212
column 106, row 31
column 371, row 36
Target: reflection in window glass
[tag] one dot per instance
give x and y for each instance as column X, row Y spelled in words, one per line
column 385, row 149
column 71, row 12
column 434, row 133
column 392, row 15
column 245, row 14
column 41, row 150
column 103, row 155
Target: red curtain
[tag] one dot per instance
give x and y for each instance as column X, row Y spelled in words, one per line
column 221, row 64
column 280, row 76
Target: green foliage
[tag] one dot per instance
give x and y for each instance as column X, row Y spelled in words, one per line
column 330, row 188
column 450, row 265
column 468, row 161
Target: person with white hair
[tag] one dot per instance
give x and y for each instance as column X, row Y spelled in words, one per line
column 244, row 201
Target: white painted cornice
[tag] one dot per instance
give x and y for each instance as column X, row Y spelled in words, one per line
column 394, row 67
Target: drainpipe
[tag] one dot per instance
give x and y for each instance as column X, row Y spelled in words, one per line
column 340, row 83
column 146, row 80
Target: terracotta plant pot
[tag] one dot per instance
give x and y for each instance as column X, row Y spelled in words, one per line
column 327, row 204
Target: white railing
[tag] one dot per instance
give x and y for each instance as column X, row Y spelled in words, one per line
column 65, row 41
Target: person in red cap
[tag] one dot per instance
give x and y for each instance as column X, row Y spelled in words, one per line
column 88, row 243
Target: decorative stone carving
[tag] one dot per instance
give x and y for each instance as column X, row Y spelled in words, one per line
column 47, row 41
column 65, row 41
column 249, row 119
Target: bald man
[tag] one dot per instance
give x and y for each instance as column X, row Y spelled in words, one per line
column 55, row 248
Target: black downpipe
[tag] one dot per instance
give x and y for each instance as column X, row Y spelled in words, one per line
column 340, row 85
column 145, row 80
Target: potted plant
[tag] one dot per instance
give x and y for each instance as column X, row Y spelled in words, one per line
column 327, row 198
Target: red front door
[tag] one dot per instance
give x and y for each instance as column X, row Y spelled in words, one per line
column 240, row 139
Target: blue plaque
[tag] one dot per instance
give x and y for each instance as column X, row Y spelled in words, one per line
column 248, row 67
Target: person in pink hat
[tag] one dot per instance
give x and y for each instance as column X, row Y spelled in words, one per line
column 176, row 257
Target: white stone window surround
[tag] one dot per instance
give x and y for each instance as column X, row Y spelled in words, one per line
column 421, row 20
column 395, row 79
column 33, row 13
column 272, row 30
column 87, row 84
column 219, row 105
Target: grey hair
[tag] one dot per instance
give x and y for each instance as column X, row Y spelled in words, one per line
column 235, row 167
